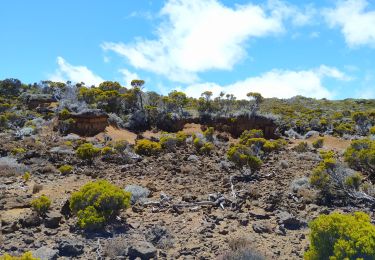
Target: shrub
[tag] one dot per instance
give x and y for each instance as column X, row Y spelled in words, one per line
column 26, row 176
column 66, row 169
column 41, row 205
column 240, row 249
column 360, row 155
column 181, row 137
column 318, row 143
column 87, row 151
column 106, row 151
column 206, row 148
column 372, row 130
column 168, row 142
column 301, row 147
column 16, row 151
column 242, row 155
column 341, row 236
column 249, row 134
column 354, row 180
column 209, row 133
column 147, row 147
column 25, row 256
column 97, row 203
column 64, row 114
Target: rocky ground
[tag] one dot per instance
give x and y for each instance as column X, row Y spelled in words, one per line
column 185, row 205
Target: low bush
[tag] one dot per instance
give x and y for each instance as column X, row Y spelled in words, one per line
column 168, row 142
column 25, row 256
column 207, row 148
column 360, row 155
column 318, row 143
column 17, row 151
column 26, row 176
column 87, row 152
column 106, row 151
column 209, row 134
column 354, row 181
column 41, row 205
column 98, row 202
column 249, row 134
column 341, row 236
column 242, row 155
column 301, row 147
column 147, row 147
column 66, row 169
column 372, row 130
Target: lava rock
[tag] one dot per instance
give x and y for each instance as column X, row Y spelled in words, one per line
column 52, row 220
column 289, row 221
column 45, row 253
column 70, row 247
column 143, row 250
column 139, row 193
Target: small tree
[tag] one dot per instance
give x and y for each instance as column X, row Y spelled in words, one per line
column 258, row 100
column 179, row 100
column 137, row 85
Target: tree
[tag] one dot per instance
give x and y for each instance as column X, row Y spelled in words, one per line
column 137, row 85
column 109, row 86
column 258, row 99
column 10, row 87
column 179, row 100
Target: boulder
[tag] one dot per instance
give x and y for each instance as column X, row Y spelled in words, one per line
column 261, row 227
column 143, row 250
column 289, row 221
column 32, row 220
column 52, row 220
column 45, row 253
column 139, row 193
column 70, row 247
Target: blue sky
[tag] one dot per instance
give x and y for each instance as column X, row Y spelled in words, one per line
column 280, row 48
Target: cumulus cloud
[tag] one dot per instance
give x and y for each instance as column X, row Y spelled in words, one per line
column 197, row 36
column 277, row 83
column 67, row 71
column 356, row 22
column 128, row 76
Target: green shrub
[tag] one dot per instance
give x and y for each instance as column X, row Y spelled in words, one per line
column 147, row 147
column 345, row 128
column 360, row 155
column 241, row 155
column 372, row 130
column 25, row 256
column 87, row 151
column 66, row 169
column 354, row 181
column 16, row 151
column 181, row 137
column 41, row 205
column 249, row 134
column 64, row 114
column 341, row 236
column 320, row 177
column 301, row 147
column 207, row 148
column 168, row 142
column 209, row 133
column 98, row 202
column 318, row 143
column 106, row 151
column 26, row 176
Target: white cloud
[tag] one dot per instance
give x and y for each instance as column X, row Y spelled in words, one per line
column 128, row 76
column 197, row 36
column 66, row 72
column 356, row 23
column 277, row 83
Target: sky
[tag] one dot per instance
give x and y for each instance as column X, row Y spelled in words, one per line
column 319, row 49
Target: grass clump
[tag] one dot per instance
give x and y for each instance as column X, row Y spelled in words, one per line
column 26, row 176
column 96, row 203
column 341, row 236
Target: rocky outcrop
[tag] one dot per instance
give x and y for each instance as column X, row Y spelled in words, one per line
column 39, row 100
column 87, row 122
